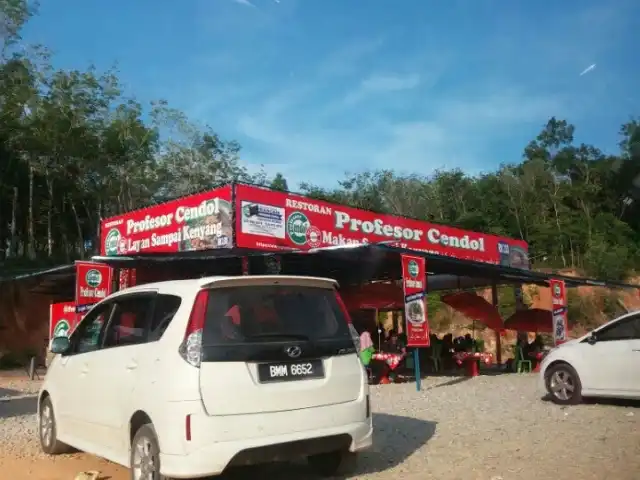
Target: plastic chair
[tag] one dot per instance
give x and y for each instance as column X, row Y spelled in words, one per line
column 436, row 356
column 522, row 365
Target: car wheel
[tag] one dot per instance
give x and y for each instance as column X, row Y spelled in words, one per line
column 563, row 384
column 331, row 464
column 145, row 455
column 48, row 431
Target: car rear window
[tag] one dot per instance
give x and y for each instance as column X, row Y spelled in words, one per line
column 261, row 314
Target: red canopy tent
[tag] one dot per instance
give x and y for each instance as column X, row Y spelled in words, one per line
column 536, row 320
column 475, row 307
column 374, row 296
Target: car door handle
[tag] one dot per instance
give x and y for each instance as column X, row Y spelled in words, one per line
column 85, row 370
column 132, row 365
column 636, row 350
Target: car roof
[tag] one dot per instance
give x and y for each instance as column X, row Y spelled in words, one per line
column 213, row 281
column 610, row 322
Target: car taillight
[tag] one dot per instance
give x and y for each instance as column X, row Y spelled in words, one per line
column 352, row 330
column 191, row 347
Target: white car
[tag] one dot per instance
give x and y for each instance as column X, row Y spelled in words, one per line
column 602, row 363
column 183, row 379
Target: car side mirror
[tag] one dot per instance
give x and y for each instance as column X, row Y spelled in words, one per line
column 592, row 339
column 60, row 345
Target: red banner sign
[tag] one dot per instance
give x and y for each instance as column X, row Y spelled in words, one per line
column 62, row 319
column 94, row 282
column 414, row 281
column 195, row 222
column 272, row 220
column 559, row 309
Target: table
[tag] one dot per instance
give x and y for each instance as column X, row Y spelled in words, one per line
column 537, row 356
column 391, row 360
column 470, row 361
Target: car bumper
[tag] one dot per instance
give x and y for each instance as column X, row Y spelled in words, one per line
column 206, row 455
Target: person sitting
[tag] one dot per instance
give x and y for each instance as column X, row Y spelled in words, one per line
column 468, row 343
column 538, row 344
column 394, row 345
column 458, row 344
column 366, row 348
column 536, row 349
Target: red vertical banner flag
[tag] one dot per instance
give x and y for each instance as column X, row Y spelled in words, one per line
column 559, row 310
column 94, row 282
column 62, row 319
column 414, row 281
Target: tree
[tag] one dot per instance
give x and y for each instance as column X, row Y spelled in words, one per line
column 74, row 149
column 279, row 183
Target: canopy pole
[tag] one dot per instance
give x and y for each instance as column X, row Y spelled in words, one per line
column 378, row 328
column 245, row 265
column 494, row 300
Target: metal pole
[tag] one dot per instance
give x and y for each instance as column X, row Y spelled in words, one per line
column 416, row 367
column 32, row 368
column 494, row 299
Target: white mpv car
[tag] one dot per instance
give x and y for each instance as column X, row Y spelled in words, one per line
column 183, row 379
column 603, row 363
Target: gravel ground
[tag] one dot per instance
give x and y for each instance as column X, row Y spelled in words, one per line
column 485, row 428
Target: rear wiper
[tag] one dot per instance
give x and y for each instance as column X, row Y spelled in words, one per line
column 292, row 336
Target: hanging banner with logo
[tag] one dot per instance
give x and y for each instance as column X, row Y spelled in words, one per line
column 559, row 309
column 94, row 282
column 414, row 280
column 62, row 319
column 195, row 222
column 273, row 220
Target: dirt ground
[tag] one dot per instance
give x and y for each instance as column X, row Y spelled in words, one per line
column 494, row 427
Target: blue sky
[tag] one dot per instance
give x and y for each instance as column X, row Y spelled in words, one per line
column 315, row 88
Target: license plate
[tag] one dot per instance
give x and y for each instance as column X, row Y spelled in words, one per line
column 290, row 371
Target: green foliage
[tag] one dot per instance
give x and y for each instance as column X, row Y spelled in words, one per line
column 279, row 183
column 74, row 148
column 611, row 304
column 583, row 310
column 574, row 205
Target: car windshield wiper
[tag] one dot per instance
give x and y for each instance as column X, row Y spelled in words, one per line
column 292, row 336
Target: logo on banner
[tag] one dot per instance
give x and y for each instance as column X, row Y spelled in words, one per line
column 62, row 329
column 297, row 227
column 93, row 278
column 560, row 331
column 557, row 291
column 414, row 269
column 503, row 248
column 415, row 312
column 259, row 219
column 112, row 242
column 314, row 237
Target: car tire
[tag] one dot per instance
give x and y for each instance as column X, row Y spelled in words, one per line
column 145, row 454
column 563, row 384
column 331, row 464
column 48, row 430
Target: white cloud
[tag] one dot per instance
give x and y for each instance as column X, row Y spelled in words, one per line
column 381, row 84
column 346, row 61
column 389, row 83
column 588, row 69
column 451, row 132
column 330, row 117
column 245, row 2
